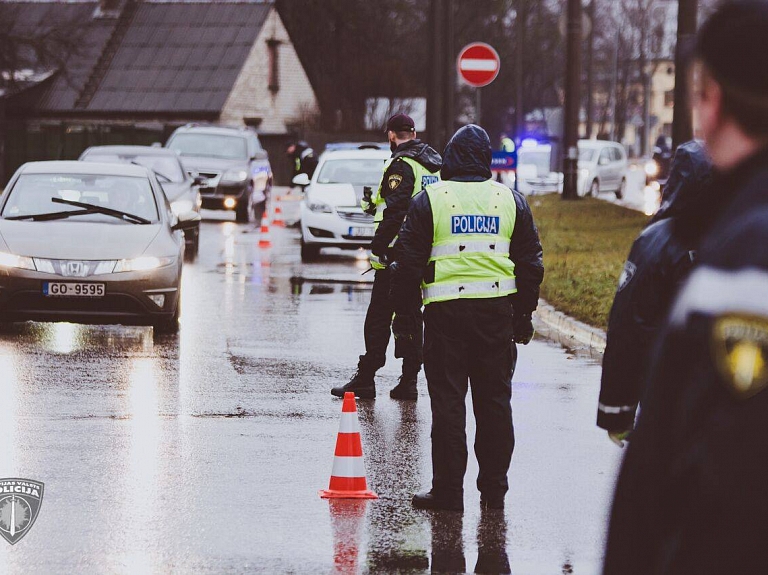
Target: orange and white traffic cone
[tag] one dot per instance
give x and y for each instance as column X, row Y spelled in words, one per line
column 264, row 235
column 348, row 475
column 277, row 218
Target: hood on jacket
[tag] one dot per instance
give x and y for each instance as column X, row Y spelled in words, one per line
column 689, row 175
column 467, row 157
column 423, row 153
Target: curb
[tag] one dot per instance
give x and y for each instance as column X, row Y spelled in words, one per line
column 570, row 331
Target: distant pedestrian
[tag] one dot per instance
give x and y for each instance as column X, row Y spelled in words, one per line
column 691, row 496
column 659, row 262
column 473, row 247
column 302, row 158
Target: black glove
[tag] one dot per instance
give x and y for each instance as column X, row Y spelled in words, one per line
column 368, row 206
column 522, row 328
column 405, row 328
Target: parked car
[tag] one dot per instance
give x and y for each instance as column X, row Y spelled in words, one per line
column 235, row 168
column 602, row 168
column 90, row 243
column 533, row 170
column 180, row 188
column 331, row 215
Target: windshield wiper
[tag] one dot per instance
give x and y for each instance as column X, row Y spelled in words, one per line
column 50, row 216
column 91, row 208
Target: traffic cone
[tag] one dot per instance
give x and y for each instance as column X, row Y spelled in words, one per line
column 264, row 235
column 277, row 218
column 348, row 474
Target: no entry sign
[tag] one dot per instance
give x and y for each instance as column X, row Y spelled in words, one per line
column 478, row 64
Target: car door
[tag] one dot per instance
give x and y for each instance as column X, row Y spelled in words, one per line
column 620, row 165
column 604, row 161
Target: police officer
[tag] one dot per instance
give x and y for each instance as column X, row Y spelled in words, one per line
column 691, row 495
column 474, row 244
column 411, row 168
column 302, row 158
column 660, row 260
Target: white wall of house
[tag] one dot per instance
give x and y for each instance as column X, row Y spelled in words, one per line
column 251, row 97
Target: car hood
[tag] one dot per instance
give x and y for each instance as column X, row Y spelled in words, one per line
column 77, row 240
column 342, row 195
column 199, row 164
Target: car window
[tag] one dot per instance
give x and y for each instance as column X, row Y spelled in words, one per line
column 162, row 165
column 538, row 158
column 32, row 194
column 618, row 154
column 210, row 146
column 363, row 172
column 586, row 154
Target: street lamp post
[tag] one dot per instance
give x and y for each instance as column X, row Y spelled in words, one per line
column 682, row 119
column 572, row 101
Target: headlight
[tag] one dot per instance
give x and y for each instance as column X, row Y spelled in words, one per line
column 235, row 176
column 142, row 263
column 13, row 261
column 652, row 168
column 320, row 208
column 181, row 206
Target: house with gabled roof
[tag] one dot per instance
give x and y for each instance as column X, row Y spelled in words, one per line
column 143, row 67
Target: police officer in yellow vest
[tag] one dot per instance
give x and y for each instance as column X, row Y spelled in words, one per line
column 412, row 167
column 473, row 246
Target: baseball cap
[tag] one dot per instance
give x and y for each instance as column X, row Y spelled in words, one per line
column 400, row 123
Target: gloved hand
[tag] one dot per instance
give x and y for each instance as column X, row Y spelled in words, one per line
column 522, row 328
column 367, row 202
column 405, row 328
column 619, row 437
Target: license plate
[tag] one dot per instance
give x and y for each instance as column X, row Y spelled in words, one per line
column 72, row 289
column 361, row 232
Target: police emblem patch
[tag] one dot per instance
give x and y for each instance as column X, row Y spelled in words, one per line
column 626, row 275
column 394, row 180
column 20, row 501
column 740, row 348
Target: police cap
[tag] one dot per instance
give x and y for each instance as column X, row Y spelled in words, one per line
column 401, row 123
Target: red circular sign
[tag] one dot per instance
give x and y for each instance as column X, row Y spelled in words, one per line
column 478, row 64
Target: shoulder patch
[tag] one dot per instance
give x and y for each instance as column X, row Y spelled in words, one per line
column 394, row 181
column 740, row 349
column 626, row 275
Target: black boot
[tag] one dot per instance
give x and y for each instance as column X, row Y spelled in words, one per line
column 429, row 500
column 406, row 388
column 362, row 383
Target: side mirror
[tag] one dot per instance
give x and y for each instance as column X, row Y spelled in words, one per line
column 187, row 221
column 301, row 180
column 198, row 180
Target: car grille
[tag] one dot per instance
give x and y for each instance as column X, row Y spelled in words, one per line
column 358, row 217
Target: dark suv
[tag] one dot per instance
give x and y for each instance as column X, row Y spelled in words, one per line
column 234, row 167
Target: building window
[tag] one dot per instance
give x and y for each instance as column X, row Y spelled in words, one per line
column 669, row 98
column 274, row 65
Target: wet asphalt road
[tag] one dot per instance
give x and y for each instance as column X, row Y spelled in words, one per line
column 204, row 453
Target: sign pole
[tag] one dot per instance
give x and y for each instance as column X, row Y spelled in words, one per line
column 478, row 109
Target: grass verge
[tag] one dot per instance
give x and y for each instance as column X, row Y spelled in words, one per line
column 585, row 245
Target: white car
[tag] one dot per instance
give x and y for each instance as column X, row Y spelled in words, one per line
column 331, row 215
column 602, row 168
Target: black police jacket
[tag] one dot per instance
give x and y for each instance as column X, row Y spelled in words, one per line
column 691, row 495
column 659, row 261
column 467, row 158
column 398, row 197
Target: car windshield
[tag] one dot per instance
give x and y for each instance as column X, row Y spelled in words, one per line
column 164, row 166
column 34, row 193
column 586, row 154
column 359, row 172
column 538, row 158
column 210, row 146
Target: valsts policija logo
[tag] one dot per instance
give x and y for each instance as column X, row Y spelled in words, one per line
column 20, row 501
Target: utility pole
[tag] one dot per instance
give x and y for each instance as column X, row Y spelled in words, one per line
column 520, row 18
column 590, row 66
column 572, row 101
column 682, row 122
column 442, row 82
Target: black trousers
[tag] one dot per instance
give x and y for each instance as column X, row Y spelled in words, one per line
column 378, row 328
column 470, row 341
